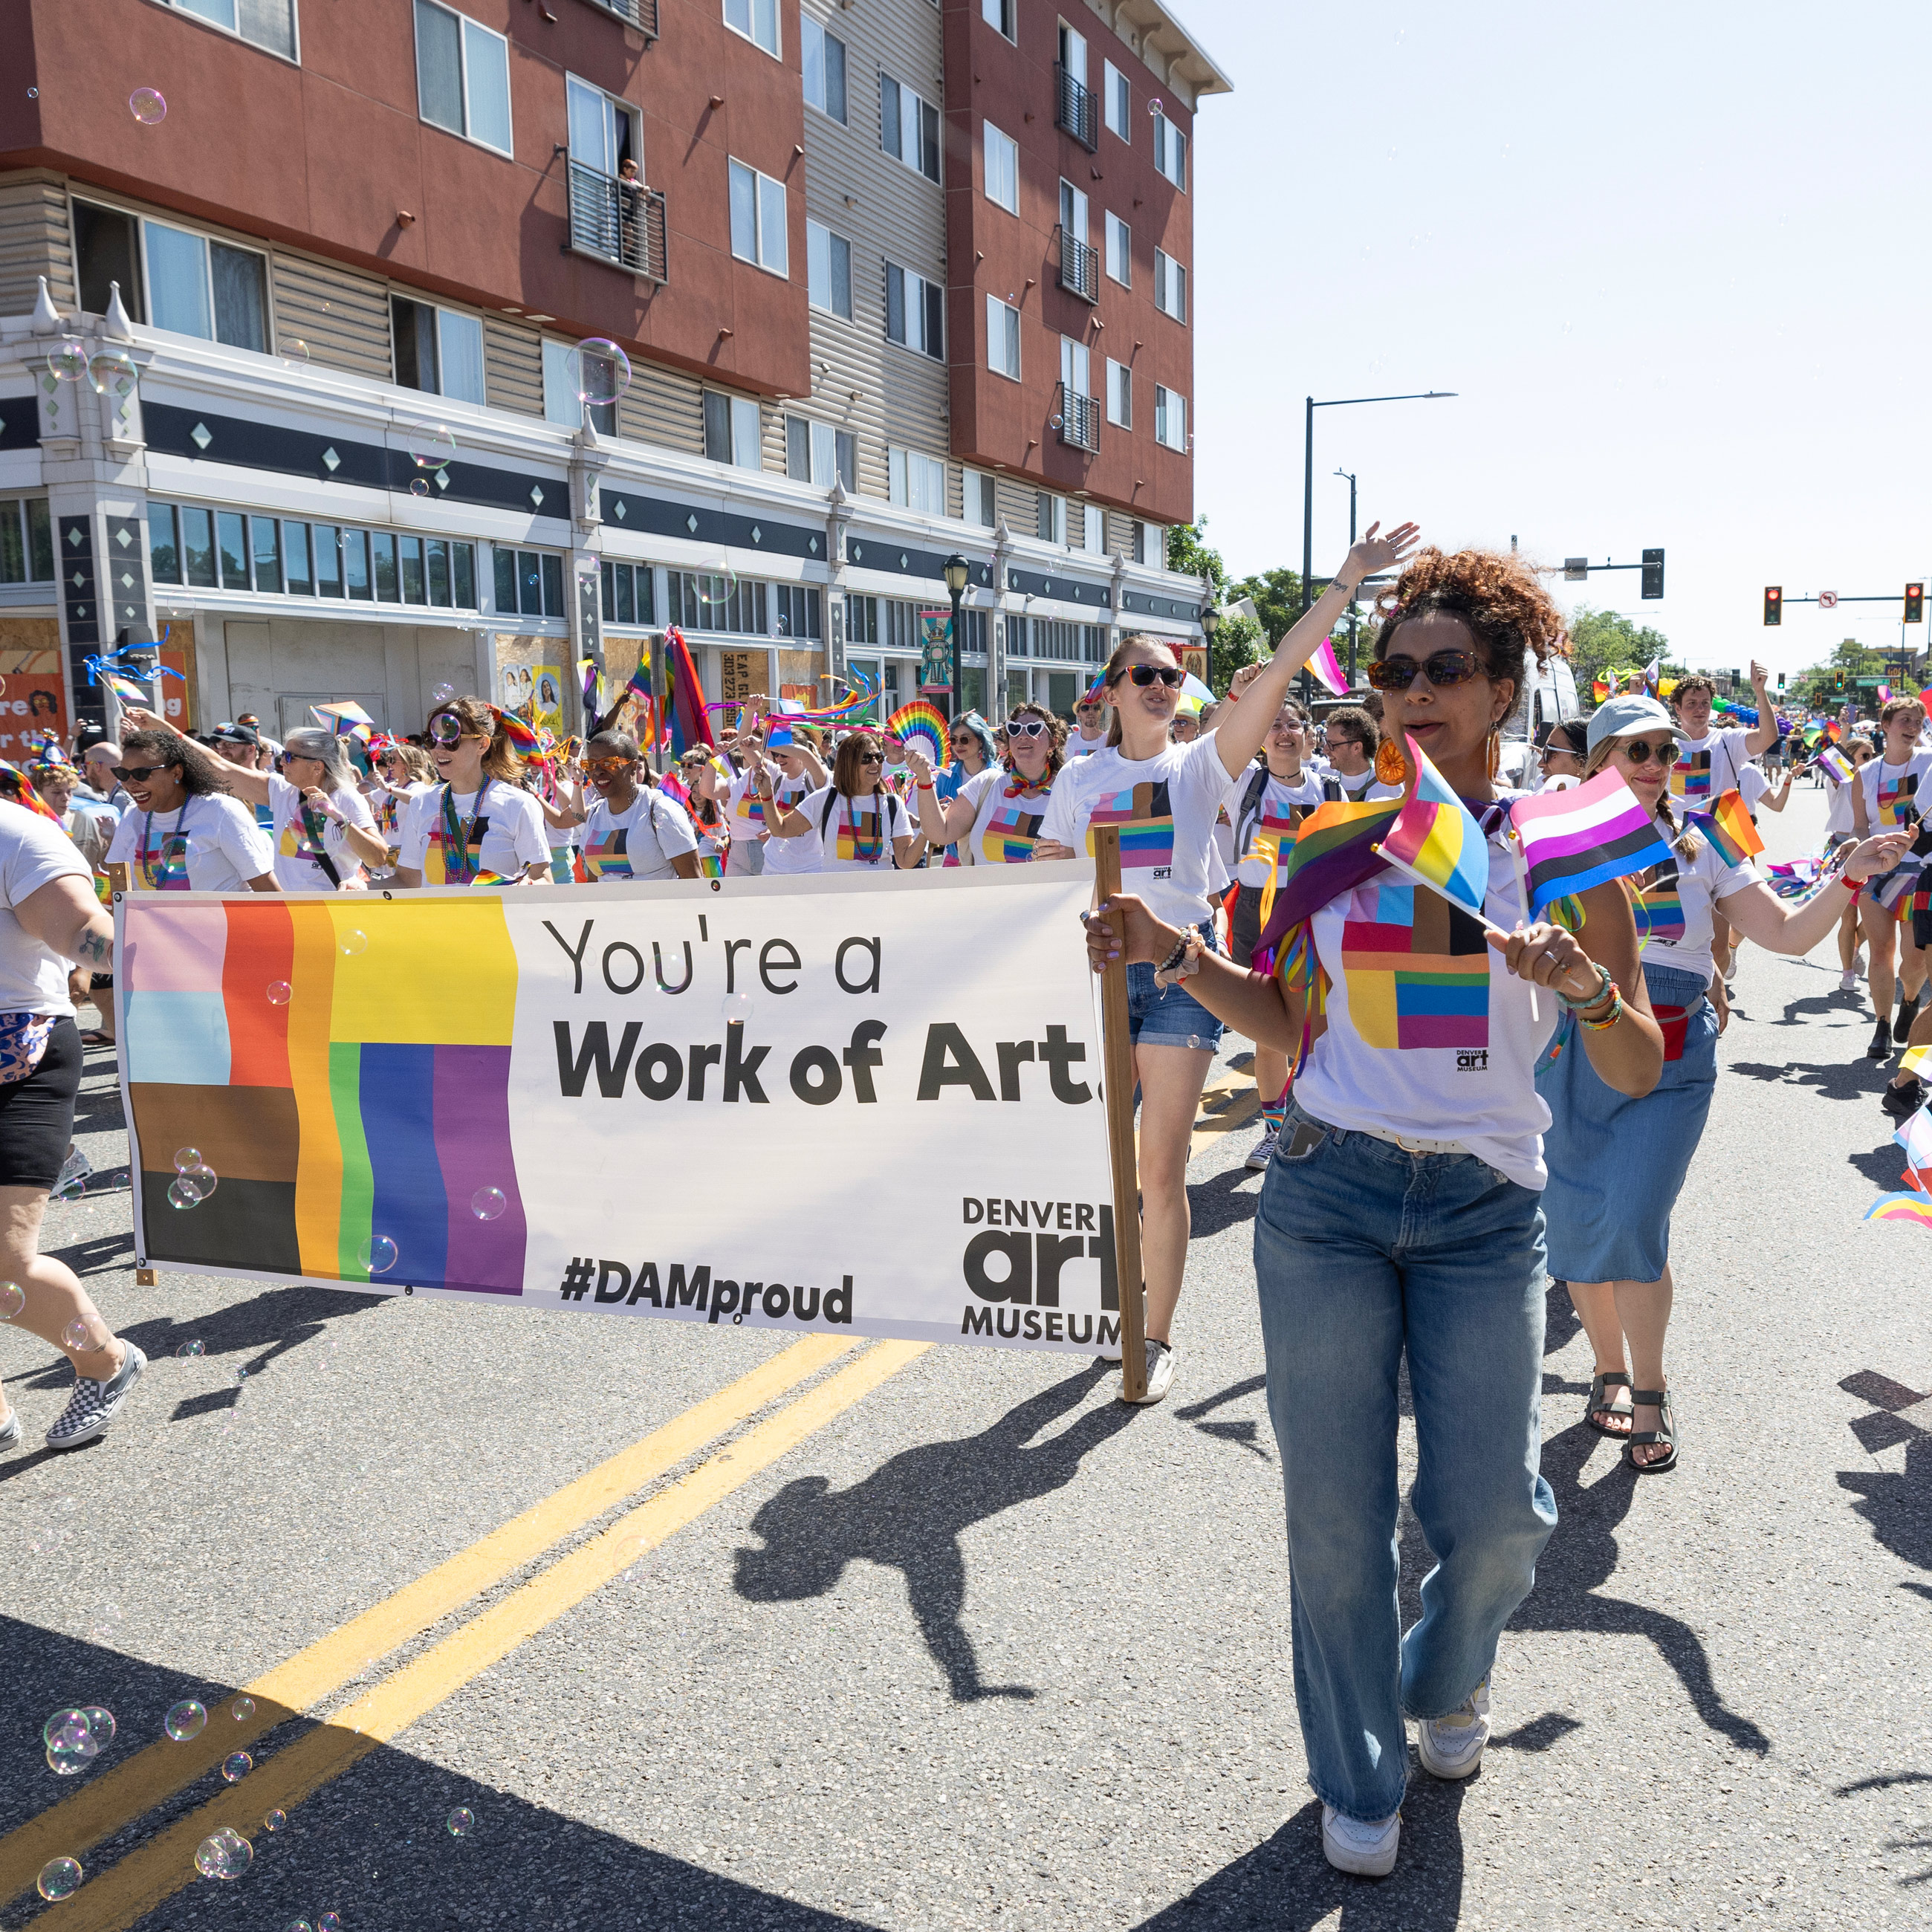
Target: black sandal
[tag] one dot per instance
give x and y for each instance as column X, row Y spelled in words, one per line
column 1660, row 1398
column 1598, row 1383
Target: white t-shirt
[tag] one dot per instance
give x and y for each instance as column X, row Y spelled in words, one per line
column 506, row 834
column 792, row 855
column 1166, row 807
column 1282, row 805
column 33, row 853
column 850, row 841
column 388, row 803
column 1839, row 820
column 1078, row 747
column 296, row 867
column 639, row 842
column 1752, row 786
column 208, row 844
column 1708, row 767
column 1007, row 814
column 745, row 809
column 1672, row 907
column 1424, row 1032
column 1891, row 791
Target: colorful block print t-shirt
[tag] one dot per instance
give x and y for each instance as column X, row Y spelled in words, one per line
column 503, row 826
column 300, row 838
column 207, row 845
column 849, row 830
column 1166, row 807
column 1422, row 1032
column 1007, row 813
column 1672, row 906
column 1708, row 767
column 639, row 842
column 1891, row 791
column 1267, row 826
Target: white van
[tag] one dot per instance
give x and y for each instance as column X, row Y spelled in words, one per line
column 1549, row 698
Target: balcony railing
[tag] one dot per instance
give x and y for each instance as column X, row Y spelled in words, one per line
column 1074, row 110
column 618, row 222
column 1079, row 266
column 642, row 14
column 1079, row 420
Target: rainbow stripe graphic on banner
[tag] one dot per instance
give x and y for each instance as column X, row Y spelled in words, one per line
column 1146, row 820
column 368, row 1102
column 1416, row 969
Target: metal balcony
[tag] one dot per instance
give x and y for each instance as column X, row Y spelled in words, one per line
column 641, row 14
column 1079, row 266
column 615, row 222
column 1073, row 108
column 1079, row 420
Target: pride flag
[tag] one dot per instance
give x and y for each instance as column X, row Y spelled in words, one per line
column 1836, row 767
column 1600, row 689
column 1575, row 839
column 684, row 701
column 1728, row 826
column 19, row 789
column 1324, row 664
column 1905, row 1206
column 1333, row 852
column 1915, row 1138
column 1435, row 836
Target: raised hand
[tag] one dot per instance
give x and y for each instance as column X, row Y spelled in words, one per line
column 1373, row 554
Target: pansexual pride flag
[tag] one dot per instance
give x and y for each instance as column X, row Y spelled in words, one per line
column 1901, row 1207
column 1575, row 839
column 344, row 1086
column 1728, row 826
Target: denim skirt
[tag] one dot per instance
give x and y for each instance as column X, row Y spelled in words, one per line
column 1616, row 1165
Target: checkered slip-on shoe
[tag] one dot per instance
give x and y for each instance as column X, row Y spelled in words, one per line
column 9, row 1430
column 94, row 1404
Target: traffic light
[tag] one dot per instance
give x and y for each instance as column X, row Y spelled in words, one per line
column 1774, row 605
column 1914, row 603
column 1653, row 573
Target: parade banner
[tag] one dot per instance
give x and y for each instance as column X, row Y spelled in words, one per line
column 858, row 1105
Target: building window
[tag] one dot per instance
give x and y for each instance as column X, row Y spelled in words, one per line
column 828, row 269
column 816, row 453
column 1119, row 394
column 1093, row 528
column 909, row 127
column 824, row 56
column 1056, row 640
column 198, row 287
column 568, row 371
column 1076, row 365
column 758, row 219
column 1003, row 169
column 262, row 23
column 1052, row 525
column 463, row 76
column 1170, row 418
column 917, row 481
column 758, row 20
column 1072, row 210
column 799, row 608
column 981, row 500
column 105, row 251
column 915, row 312
column 628, row 593
column 26, row 540
column 1119, row 251
column 1170, row 150
column 998, row 14
column 439, row 350
column 603, row 131
column 1170, row 286
column 700, row 602
column 1116, row 97
column 733, row 433
column 1003, row 338
column 528, row 583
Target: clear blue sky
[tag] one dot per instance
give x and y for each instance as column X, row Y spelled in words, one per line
column 1673, row 258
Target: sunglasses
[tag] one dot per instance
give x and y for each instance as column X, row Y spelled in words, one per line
column 445, row 728
column 607, row 767
column 1550, row 751
column 1442, row 669
column 137, row 774
column 1285, row 725
column 871, row 758
column 1641, row 751
column 1026, row 728
column 1144, row 675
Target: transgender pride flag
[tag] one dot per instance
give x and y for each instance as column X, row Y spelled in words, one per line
column 1575, row 839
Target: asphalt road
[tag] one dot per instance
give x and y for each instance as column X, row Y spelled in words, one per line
column 962, row 1642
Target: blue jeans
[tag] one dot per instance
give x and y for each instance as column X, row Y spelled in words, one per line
column 1364, row 1252
column 1169, row 1015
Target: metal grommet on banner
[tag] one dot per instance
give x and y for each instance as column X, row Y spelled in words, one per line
column 409, row 1291
column 717, row 885
column 388, row 895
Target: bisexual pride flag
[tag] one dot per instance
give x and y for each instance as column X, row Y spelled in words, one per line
column 1575, row 839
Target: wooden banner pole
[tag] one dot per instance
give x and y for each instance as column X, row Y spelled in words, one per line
column 1117, row 1072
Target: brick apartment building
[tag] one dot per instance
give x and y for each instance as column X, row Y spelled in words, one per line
column 290, row 376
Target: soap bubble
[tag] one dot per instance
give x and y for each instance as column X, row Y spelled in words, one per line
column 224, row 1854
column 443, row 693
column 487, row 1203
column 184, row 1191
column 431, row 444
column 600, row 371
column 67, row 360
column 1194, row 1040
column 1156, row 105
column 1055, row 421
column 242, row 1709
column 275, row 1820
column 13, row 1299
column 188, row 1348
column 61, row 1724
column 60, row 1878
column 377, row 1254
column 736, row 1007
column 75, row 1334
column 100, row 1724
column 355, row 942
column 186, row 1720
column 329, row 1922
column 148, row 106
column 716, row 588
column 280, row 992
column 298, row 1925
column 418, row 488
column 460, row 1821
column 236, row 1765
column 295, row 354
column 186, row 1157
column 72, row 1756
column 112, row 369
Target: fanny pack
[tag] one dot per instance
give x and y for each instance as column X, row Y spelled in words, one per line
column 23, row 1045
column 1675, row 1024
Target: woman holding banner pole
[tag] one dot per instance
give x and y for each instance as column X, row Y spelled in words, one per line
column 1165, row 799
column 1617, row 1162
column 1401, row 1219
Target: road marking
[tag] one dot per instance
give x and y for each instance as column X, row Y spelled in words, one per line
column 127, row 1892
column 106, row 1805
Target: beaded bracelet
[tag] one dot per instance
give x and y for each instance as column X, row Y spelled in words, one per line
column 1605, row 986
column 1610, row 1019
column 1184, row 962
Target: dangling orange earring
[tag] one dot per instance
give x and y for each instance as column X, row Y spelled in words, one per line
column 1495, row 758
column 1391, row 767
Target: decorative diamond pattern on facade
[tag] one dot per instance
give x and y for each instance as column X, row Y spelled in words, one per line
column 330, row 460
column 536, row 496
column 122, row 537
column 442, row 479
column 79, row 580
column 758, row 534
column 812, row 544
column 201, row 436
column 619, row 511
column 690, row 523
column 74, row 536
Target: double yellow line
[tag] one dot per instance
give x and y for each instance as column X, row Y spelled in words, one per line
column 164, row 1864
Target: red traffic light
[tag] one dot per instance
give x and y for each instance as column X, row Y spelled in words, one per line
column 1774, row 603
column 1914, row 603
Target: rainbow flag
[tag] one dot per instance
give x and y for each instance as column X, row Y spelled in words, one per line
column 128, row 691
column 371, row 1105
column 1324, row 663
column 1435, row 836
column 1334, row 852
column 1728, row 826
column 1575, row 839
column 921, row 719
column 342, row 716
column 1600, row 689
column 1902, row 1207
column 684, row 697
column 16, row 788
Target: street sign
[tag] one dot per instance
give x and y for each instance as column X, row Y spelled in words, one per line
column 1827, row 600
column 1576, row 569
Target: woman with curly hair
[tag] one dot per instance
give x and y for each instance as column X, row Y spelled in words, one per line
column 185, row 833
column 1401, row 1218
column 1617, row 1162
column 995, row 816
column 479, row 826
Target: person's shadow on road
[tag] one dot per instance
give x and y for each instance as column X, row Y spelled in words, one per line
column 911, row 1511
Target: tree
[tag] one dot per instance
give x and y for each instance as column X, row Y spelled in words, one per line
column 1603, row 641
column 1187, row 556
column 1861, row 665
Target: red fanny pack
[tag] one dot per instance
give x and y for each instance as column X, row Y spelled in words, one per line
column 1675, row 1023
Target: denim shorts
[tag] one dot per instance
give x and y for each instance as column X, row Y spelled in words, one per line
column 1172, row 1017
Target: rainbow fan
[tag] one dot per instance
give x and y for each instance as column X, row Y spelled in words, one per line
column 921, row 719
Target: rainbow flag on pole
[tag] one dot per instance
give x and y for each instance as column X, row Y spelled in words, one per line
column 1575, row 839
column 1435, row 836
column 1728, row 826
column 1333, row 852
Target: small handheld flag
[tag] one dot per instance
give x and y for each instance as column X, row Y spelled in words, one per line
column 1836, row 767
column 1434, row 839
column 1334, row 851
column 342, row 717
column 1323, row 663
column 1575, row 839
column 126, row 690
column 1727, row 826
column 1905, row 1206
column 1915, row 1138
column 522, row 737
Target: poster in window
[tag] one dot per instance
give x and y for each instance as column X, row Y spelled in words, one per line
column 177, row 654
column 740, row 674
column 1194, row 661
column 935, row 639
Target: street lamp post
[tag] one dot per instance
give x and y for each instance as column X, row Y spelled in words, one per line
column 955, row 570
column 1210, row 622
column 1351, row 601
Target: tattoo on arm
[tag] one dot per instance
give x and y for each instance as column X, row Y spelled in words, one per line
column 93, row 949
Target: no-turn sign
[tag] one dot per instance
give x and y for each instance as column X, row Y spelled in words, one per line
column 1827, row 600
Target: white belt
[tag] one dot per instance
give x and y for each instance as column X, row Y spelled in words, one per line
column 1409, row 1143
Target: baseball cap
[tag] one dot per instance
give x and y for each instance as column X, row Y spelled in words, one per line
column 1617, row 717
column 227, row 733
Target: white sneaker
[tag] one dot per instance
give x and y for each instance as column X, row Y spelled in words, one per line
column 76, row 1168
column 1452, row 1747
column 1262, row 1152
column 1368, row 1850
column 1731, row 969
column 1159, row 1372
column 1848, row 982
